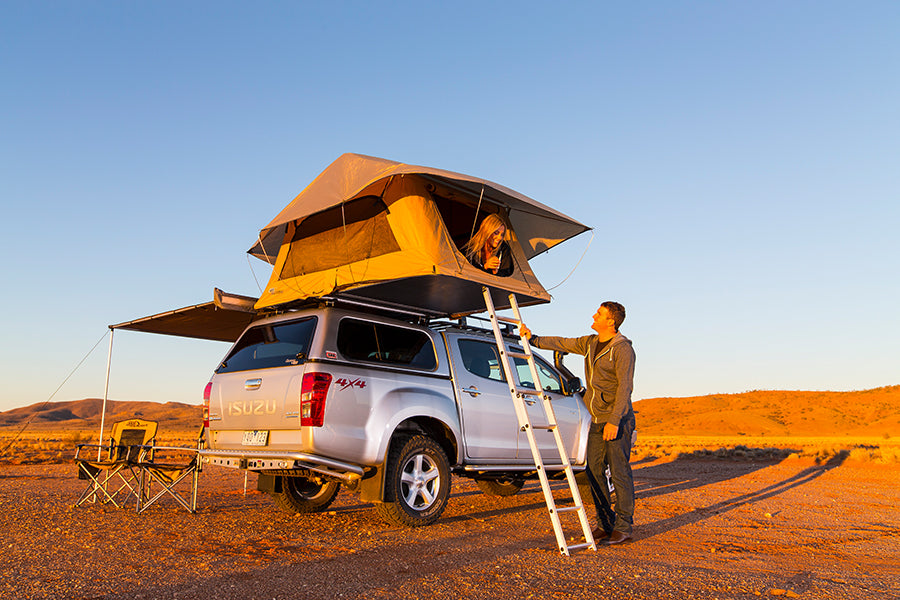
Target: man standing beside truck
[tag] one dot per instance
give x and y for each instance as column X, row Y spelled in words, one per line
column 609, row 370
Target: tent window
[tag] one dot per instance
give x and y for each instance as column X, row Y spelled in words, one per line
column 458, row 217
column 334, row 238
column 380, row 343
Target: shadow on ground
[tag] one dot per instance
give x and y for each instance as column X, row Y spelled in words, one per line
column 647, row 485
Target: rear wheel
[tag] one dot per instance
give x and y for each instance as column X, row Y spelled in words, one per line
column 306, row 494
column 501, row 487
column 417, row 482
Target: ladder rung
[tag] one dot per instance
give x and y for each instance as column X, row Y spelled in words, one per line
column 529, row 392
column 517, row 394
column 579, row 546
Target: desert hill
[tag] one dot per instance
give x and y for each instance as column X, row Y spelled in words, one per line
column 85, row 414
column 870, row 413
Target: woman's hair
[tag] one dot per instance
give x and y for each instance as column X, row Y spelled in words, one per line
column 488, row 226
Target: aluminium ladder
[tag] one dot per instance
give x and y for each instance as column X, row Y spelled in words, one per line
column 518, row 395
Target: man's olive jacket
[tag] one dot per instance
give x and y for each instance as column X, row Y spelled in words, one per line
column 609, row 372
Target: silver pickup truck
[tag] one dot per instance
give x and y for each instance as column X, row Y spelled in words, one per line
column 388, row 407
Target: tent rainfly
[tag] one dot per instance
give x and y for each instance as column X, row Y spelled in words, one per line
column 375, row 230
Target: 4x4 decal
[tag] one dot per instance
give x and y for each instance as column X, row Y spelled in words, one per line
column 346, row 383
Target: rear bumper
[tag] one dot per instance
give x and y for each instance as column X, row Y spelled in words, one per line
column 261, row 460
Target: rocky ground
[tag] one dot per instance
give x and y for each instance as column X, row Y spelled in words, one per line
column 705, row 529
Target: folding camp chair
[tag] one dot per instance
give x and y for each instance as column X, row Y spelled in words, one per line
column 156, row 468
column 108, row 477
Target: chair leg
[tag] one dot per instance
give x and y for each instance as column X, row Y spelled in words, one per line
column 127, row 482
column 195, row 480
column 102, row 481
column 142, row 491
column 97, row 484
column 169, row 488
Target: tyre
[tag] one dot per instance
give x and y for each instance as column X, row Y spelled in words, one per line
column 417, row 482
column 500, row 487
column 305, row 494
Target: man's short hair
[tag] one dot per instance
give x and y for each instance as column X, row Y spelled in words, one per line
column 616, row 311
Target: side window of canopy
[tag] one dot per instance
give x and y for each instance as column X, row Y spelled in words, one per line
column 380, row 343
column 344, row 234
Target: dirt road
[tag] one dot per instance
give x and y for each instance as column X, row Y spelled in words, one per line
column 705, row 529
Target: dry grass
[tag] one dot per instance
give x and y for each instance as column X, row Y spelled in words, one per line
column 55, row 447
column 766, row 448
column 49, row 447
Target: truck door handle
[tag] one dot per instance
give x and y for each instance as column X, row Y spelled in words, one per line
column 252, row 384
column 472, row 391
column 529, row 402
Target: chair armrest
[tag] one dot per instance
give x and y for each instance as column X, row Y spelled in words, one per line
column 78, row 448
column 151, row 451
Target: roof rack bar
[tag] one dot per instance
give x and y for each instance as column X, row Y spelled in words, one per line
column 396, row 308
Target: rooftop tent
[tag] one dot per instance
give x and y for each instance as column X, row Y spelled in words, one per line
column 380, row 231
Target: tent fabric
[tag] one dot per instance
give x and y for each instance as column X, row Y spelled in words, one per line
column 539, row 227
column 223, row 319
column 394, row 247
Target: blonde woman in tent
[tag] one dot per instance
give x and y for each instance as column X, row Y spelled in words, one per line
column 488, row 249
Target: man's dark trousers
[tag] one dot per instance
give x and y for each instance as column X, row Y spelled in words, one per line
column 616, row 453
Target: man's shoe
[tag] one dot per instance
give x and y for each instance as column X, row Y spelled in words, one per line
column 617, row 537
column 599, row 534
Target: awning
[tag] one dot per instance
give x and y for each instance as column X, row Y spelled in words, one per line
column 223, row 319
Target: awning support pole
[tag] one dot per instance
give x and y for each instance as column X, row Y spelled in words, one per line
column 105, row 393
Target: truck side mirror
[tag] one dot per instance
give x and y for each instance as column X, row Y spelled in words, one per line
column 574, row 385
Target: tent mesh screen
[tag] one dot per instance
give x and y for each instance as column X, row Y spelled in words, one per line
column 338, row 237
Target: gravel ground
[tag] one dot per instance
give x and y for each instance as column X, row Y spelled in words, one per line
column 705, row 529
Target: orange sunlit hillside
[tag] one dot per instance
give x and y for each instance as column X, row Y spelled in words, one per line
column 874, row 412
column 85, row 414
column 867, row 413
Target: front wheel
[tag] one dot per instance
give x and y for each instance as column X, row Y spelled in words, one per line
column 306, row 494
column 417, row 482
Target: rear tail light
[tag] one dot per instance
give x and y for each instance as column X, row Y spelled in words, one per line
column 312, row 398
column 207, row 392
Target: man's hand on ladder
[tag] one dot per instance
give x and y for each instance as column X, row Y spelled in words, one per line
column 524, row 331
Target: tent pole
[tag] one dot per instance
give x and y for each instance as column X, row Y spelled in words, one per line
column 105, row 392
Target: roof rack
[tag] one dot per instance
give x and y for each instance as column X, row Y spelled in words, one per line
column 393, row 310
column 508, row 329
column 436, row 321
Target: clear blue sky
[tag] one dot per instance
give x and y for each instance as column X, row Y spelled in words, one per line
column 738, row 161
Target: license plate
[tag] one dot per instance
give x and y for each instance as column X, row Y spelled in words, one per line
column 255, row 438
